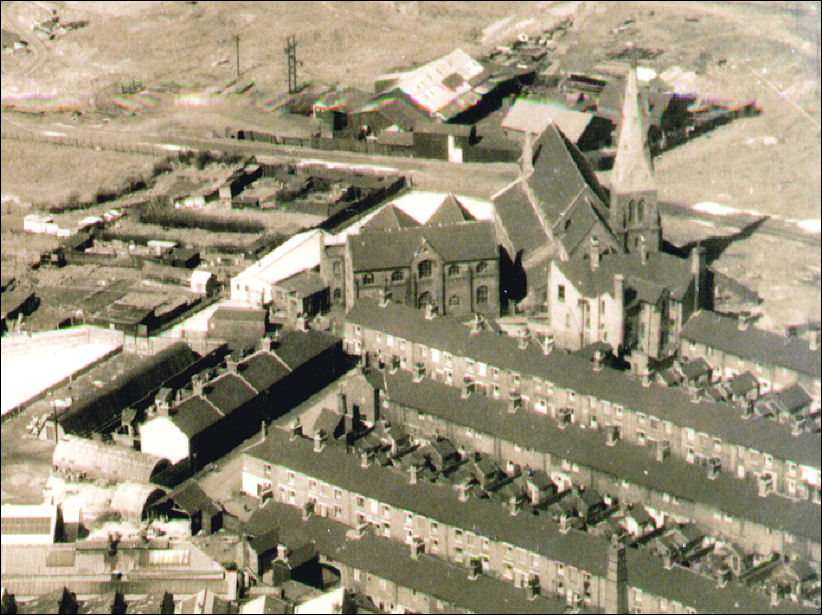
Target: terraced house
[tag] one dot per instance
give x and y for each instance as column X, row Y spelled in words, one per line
column 671, row 488
column 572, row 390
column 526, row 550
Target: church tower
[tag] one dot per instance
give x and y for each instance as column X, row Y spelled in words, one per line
column 634, row 208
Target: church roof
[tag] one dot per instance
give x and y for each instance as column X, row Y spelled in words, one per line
column 450, row 211
column 633, row 170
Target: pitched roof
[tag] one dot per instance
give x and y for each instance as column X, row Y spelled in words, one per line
column 695, row 368
column 624, row 461
column 262, row 369
column 742, row 383
column 295, row 348
column 574, row 372
column 191, row 498
column 660, row 270
column 633, row 170
column 194, row 415
column 246, row 314
column 228, row 393
column 389, row 218
column 793, row 399
column 559, row 201
column 468, row 241
column 722, row 332
column 450, row 211
column 534, row 116
column 304, row 283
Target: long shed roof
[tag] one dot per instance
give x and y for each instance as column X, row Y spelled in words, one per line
column 108, row 461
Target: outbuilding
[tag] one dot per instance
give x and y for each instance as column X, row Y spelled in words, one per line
column 132, row 501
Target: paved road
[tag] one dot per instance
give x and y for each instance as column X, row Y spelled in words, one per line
column 12, row 23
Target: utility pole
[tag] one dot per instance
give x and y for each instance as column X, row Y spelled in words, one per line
column 291, row 59
column 237, row 48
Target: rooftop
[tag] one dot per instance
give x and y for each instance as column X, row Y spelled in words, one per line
column 575, row 373
column 304, row 283
column 723, row 333
column 535, row 116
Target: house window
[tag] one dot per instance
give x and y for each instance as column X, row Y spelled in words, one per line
column 291, row 478
column 481, row 268
column 454, row 270
column 386, row 511
column 618, row 410
column 654, row 422
column 425, row 268
column 495, row 391
column 453, row 300
column 337, row 494
column 640, row 438
column 338, row 512
column 360, row 502
column 768, row 461
column 434, row 527
column 482, row 295
column 561, row 293
column 368, row 278
column 396, row 276
column 717, row 445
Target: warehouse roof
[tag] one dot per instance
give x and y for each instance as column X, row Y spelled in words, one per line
column 21, row 520
column 574, row 372
column 108, row 461
column 468, row 241
column 131, row 500
column 535, row 116
column 723, row 333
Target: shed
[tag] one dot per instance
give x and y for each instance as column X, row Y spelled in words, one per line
column 37, row 223
column 94, row 459
column 190, row 501
column 237, row 324
column 302, row 294
column 203, row 282
column 133, row 500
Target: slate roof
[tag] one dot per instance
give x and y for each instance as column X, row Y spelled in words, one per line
column 573, row 372
column 793, row 399
column 450, row 211
column 191, row 498
column 239, row 314
column 742, row 383
column 228, row 392
column 262, row 370
column 587, row 448
column 304, row 283
column 568, row 199
column 660, row 270
column 534, row 116
column 295, row 348
column 695, row 368
column 469, row 241
column 389, row 218
column 387, row 559
column 722, row 332
column 194, row 415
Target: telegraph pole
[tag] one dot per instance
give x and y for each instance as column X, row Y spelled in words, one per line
column 237, row 48
column 291, row 59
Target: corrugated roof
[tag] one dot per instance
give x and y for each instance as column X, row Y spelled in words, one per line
column 629, row 462
column 469, row 241
column 131, row 500
column 722, row 332
column 108, row 461
column 534, row 117
column 101, row 411
column 574, row 372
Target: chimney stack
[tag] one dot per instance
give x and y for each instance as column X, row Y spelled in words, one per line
column 282, row 552
column 308, row 510
column 265, row 343
column 646, row 377
column 462, row 492
column 663, row 450
column 741, row 322
column 197, row 384
column 611, row 435
column 475, row 567
column 813, row 343
column 643, row 250
column 319, row 440
column 714, row 466
column 419, row 372
column 599, row 359
column 365, row 458
column 385, row 297
column 467, row 388
column 302, row 323
column 616, row 579
column 594, row 253
column 522, row 341
column 417, row 547
column 231, row 363
column 296, row 430
column 547, row 344
column 342, row 405
column 412, row 474
column 514, row 506
column 429, row 311
column 477, row 324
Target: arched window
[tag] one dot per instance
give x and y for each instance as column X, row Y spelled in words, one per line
column 425, row 299
column 631, row 210
column 337, row 269
column 454, row 270
column 337, row 295
column 481, row 267
column 425, row 268
column 453, row 300
column 640, row 210
column 396, row 276
column 482, row 295
column 368, row 278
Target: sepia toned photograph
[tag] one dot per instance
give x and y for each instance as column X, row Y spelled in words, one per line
column 411, row 307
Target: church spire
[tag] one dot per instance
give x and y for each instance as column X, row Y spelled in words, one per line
column 633, row 170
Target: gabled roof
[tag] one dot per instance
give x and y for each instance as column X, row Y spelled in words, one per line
column 559, row 201
column 633, row 170
column 574, row 372
column 191, row 498
column 228, row 393
column 793, row 399
column 389, row 218
column 534, row 116
column 304, row 284
column 659, row 271
column 468, row 241
column 194, row 415
column 722, row 332
column 450, row 211
column 695, row 368
column 742, row 383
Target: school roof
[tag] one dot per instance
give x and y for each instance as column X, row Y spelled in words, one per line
column 450, row 211
column 101, row 410
column 574, row 372
column 723, row 333
column 468, row 241
column 660, row 270
column 587, row 448
column 389, row 218
column 534, row 116
column 488, row 519
column 108, row 461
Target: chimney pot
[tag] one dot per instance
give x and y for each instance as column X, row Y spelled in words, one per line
column 643, row 250
column 296, row 429
column 429, row 311
column 594, row 255
column 319, row 440
column 599, row 358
